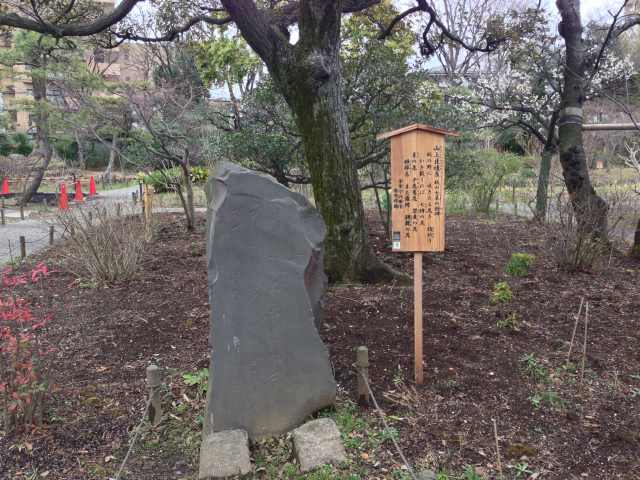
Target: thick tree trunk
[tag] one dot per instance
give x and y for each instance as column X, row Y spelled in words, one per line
column 635, row 249
column 590, row 209
column 549, row 150
column 42, row 152
column 309, row 77
column 314, row 91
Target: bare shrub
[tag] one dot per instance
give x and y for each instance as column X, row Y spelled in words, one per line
column 575, row 248
column 103, row 245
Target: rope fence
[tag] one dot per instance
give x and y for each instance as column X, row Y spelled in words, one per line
column 136, row 434
column 363, row 380
column 152, row 412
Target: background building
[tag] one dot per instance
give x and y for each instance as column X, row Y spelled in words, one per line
column 127, row 63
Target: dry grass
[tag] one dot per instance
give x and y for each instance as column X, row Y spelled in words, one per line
column 104, row 246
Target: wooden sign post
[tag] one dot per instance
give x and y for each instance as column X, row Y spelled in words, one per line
column 417, row 216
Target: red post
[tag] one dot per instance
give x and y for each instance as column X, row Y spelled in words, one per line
column 79, row 196
column 5, row 186
column 92, row 187
column 64, row 199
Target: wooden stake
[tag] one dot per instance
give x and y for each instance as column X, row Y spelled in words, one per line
column 495, row 435
column 51, row 234
column 362, row 364
column 154, row 381
column 23, row 248
column 417, row 317
column 575, row 328
column 584, row 344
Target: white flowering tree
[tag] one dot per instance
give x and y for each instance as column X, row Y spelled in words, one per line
column 526, row 91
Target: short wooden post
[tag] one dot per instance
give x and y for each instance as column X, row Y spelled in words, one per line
column 90, row 216
column 23, row 248
column 154, row 381
column 51, row 234
column 147, row 211
column 134, row 197
column 417, row 321
column 2, row 220
column 2, row 204
column 362, row 365
column 21, row 212
column 118, row 208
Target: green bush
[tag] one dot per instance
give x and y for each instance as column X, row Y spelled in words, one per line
column 16, row 143
column 67, row 149
column 494, row 168
column 501, row 293
column 199, row 175
column 164, row 180
column 519, row 263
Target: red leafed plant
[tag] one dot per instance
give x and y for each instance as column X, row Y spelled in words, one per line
column 22, row 351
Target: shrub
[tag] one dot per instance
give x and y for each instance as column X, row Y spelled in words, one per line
column 23, row 367
column 519, row 263
column 501, row 293
column 19, row 143
column 199, row 175
column 574, row 248
column 104, row 247
column 163, row 180
column 166, row 180
column 533, row 368
column 495, row 167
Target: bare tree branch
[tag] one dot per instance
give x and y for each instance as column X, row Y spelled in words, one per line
column 60, row 30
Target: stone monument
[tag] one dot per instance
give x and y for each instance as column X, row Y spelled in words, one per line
column 269, row 367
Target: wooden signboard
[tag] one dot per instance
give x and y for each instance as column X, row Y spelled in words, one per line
column 418, row 205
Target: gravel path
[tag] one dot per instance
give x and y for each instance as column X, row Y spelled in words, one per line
column 36, row 231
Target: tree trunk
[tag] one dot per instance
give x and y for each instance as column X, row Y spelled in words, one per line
column 82, row 160
column 590, row 209
column 309, row 77
column 187, row 203
column 549, row 150
column 107, row 175
column 42, row 153
column 635, row 249
column 313, row 90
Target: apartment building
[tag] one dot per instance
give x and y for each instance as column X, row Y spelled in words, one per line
column 127, row 63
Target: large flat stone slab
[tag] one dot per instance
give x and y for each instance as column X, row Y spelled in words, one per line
column 224, row 454
column 318, row 443
column 269, row 367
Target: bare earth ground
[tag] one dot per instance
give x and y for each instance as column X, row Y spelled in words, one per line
column 549, row 424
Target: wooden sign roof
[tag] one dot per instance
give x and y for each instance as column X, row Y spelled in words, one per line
column 416, row 126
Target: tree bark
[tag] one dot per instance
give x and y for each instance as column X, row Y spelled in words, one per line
column 43, row 150
column 82, row 160
column 635, row 249
column 549, row 150
column 187, row 203
column 309, row 76
column 590, row 209
column 107, row 175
